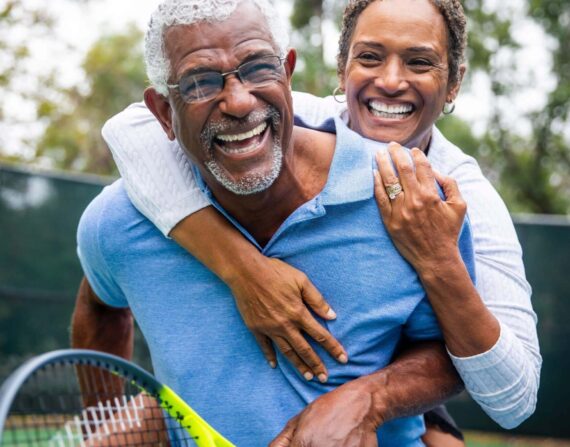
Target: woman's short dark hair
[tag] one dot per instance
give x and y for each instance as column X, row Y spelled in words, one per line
column 452, row 13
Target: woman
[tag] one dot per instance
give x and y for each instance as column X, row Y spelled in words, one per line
column 400, row 63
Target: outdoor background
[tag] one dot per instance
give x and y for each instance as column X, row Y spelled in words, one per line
column 68, row 65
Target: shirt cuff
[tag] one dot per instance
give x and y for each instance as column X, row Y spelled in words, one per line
column 492, row 371
column 170, row 215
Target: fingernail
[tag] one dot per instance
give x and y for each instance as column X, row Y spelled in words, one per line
column 272, row 364
column 308, row 376
column 322, row 378
column 331, row 314
column 343, row 358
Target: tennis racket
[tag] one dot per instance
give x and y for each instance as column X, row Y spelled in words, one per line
column 88, row 398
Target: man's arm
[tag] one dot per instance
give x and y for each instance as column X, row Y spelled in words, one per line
column 94, row 325
column 420, row 378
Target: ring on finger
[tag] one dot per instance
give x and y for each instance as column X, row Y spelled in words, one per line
column 394, row 190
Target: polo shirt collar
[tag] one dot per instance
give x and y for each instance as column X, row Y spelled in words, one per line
column 351, row 173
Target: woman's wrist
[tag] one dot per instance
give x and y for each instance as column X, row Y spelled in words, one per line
column 442, row 267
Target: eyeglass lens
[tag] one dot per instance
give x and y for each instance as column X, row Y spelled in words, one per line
column 206, row 85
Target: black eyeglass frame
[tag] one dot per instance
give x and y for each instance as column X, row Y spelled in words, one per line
column 222, row 76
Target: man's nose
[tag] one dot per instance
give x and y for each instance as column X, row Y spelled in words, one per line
column 392, row 78
column 236, row 99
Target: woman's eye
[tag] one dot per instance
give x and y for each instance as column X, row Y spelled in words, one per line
column 368, row 57
column 421, row 63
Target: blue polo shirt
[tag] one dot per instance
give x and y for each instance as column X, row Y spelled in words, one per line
column 198, row 342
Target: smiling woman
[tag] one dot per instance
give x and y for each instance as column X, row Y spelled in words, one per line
column 396, row 70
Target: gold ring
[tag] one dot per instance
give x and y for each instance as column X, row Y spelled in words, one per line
column 394, row 190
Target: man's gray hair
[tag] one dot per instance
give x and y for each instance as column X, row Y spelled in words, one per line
column 186, row 12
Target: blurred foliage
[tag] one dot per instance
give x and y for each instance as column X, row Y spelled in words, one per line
column 115, row 77
column 531, row 171
column 16, row 20
column 312, row 73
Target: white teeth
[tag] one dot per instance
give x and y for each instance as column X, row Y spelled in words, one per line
column 380, row 107
column 243, row 136
column 241, row 150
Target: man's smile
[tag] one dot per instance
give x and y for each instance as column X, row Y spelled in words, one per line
column 242, row 143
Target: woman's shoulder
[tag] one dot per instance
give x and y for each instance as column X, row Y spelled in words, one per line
column 448, row 158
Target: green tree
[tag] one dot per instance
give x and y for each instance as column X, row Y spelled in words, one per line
column 16, row 19
column 313, row 74
column 115, row 77
column 531, row 172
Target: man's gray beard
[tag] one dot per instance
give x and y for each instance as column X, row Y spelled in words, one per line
column 255, row 182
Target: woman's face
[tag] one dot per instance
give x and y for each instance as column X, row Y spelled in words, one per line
column 396, row 77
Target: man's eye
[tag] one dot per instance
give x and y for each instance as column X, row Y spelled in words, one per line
column 197, row 82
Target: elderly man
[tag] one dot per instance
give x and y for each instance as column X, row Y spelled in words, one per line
column 221, row 88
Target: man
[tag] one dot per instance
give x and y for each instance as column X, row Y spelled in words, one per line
column 222, row 88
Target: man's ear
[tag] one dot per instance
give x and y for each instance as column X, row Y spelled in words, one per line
column 160, row 108
column 291, row 61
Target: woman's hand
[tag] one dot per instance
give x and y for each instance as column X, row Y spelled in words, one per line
column 423, row 227
column 274, row 300
column 425, row 230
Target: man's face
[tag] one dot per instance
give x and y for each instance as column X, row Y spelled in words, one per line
column 240, row 134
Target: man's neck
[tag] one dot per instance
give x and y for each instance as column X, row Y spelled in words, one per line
column 306, row 165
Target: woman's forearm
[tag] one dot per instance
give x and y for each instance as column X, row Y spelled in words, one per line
column 469, row 328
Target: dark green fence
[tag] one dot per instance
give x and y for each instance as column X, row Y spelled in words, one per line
column 546, row 245
column 39, row 275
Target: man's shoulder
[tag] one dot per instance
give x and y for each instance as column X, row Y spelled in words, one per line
column 108, row 213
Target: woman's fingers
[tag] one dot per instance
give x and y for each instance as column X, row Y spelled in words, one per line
column 316, row 301
column 424, row 172
column 326, row 340
column 404, row 168
column 302, row 356
column 266, row 346
column 382, row 199
column 449, row 187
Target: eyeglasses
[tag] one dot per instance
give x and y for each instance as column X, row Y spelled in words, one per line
column 203, row 86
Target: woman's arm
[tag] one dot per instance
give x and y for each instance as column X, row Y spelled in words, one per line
column 498, row 363
column 271, row 296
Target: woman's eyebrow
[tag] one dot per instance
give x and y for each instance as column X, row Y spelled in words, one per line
column 369, row 43
column 423, row 50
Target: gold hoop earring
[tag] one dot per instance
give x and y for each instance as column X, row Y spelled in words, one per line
column 336, row 95
column 448, row 108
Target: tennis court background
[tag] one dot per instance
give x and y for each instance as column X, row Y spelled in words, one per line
column 39, row 275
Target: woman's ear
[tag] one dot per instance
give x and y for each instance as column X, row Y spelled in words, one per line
column 161, row 109
column 454, row 90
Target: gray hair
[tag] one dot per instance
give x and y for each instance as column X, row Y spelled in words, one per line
column 186, row 12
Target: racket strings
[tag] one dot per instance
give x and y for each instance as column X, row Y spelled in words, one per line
column 69, row 404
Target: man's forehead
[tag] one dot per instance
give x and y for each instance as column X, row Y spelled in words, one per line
column 246, row 26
